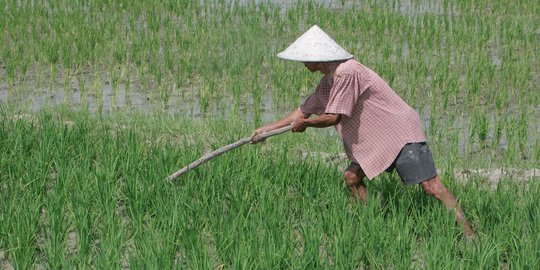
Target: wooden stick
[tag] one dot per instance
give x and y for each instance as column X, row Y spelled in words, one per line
column 224, row 149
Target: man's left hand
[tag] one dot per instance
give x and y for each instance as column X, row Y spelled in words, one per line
column 299, row 125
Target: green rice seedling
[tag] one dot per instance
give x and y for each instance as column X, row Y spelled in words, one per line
column 165, row 92
column 66, row 87
column 97, row 93
column 522, row 131
column 257, row 97
column 498, row 130
column 228, row 215
column 115, row 74
column 480, row 126
column 82, row 91
column 204, row 98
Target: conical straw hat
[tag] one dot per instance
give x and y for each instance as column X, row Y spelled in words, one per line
column 315, row 46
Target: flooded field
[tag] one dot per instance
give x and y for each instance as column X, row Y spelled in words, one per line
column 133, row 98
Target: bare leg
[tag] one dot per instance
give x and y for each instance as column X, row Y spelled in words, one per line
column 353, row 179
column 435, row 188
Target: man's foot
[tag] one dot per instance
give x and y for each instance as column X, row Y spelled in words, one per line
column 434, row 187
column 468, row 231
column 353, row 177
column 360, row 194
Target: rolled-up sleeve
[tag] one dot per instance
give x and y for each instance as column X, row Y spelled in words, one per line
column 344, row 94
column 312, row 105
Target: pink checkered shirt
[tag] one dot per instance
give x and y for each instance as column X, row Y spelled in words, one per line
column 375, row 122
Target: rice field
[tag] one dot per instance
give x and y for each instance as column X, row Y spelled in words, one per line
column 101, row 100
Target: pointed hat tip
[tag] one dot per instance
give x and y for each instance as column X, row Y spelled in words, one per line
column 314, row 46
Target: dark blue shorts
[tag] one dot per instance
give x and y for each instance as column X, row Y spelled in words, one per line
column 414, row 164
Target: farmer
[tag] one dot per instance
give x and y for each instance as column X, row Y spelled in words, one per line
column 380, row 132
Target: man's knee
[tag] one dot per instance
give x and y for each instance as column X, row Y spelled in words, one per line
column 351, row 178
column 433, row 187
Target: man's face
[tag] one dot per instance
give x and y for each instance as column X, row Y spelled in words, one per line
column 312, row 66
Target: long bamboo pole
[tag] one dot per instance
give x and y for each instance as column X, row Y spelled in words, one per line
column 224, row 149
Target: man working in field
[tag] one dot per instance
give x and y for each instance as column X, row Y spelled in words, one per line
column 379, row 130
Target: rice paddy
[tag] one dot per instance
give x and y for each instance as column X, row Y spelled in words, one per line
column 101, row 100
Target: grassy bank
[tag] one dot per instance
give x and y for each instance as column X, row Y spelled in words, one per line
column 80, row 191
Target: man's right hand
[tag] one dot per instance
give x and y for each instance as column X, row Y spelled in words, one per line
column 256, row 138
column 299, row 125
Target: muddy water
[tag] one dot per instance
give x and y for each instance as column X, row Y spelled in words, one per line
column 410, row 7
column 29, row 96
column 133, row 98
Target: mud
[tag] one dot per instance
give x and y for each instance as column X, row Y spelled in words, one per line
column 72, row 248
column 4, row 262
column 492, row 177
column 409, row 7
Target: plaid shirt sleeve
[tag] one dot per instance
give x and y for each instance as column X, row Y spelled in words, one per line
column 312, row 105
column 344, row 94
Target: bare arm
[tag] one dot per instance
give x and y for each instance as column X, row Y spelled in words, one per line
column 285, row 121
column 325, row 120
